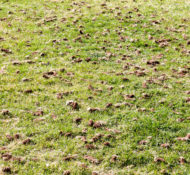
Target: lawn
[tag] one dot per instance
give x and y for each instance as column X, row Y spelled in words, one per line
column 97, row 87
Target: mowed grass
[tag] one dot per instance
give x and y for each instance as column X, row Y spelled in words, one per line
column 95, row 87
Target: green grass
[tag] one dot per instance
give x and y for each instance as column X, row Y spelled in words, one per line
column 120, row 39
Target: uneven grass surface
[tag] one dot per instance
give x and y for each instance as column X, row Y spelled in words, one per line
column 95, row 87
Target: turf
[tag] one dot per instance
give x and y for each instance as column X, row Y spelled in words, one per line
column 95, row 87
